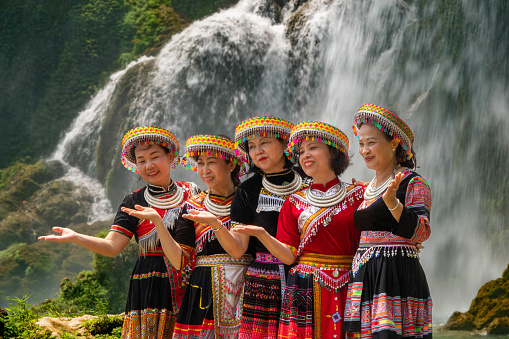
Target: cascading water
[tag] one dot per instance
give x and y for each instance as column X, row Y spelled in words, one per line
column 441, row 64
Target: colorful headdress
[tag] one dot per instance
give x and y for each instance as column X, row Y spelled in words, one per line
column 217, row 146
column 387, row 122
column 147, row 135
column 261, row 127
column 317, row 131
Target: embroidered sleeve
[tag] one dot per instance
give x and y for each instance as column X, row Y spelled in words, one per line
column 414, row 223
column 124, row 223
column 187, row 262
column 287, row 227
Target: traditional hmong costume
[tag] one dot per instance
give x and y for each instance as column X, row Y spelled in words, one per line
column 317, row 225
column 258, row 201
column 212, row 303
column 388, row 296
column 155, row 289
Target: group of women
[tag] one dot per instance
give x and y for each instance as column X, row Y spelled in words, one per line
column 292, row 251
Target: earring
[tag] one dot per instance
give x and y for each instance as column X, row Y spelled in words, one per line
column 394, row 150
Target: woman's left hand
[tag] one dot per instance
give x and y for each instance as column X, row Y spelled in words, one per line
column 389, row 196
column 141, row 212
column 251, row 230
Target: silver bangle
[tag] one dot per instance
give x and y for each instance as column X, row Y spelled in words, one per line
column 217, row 229
column 392, row 209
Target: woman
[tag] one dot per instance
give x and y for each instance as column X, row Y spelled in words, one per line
column 388, row 296
column 316, row 229
column 257, row 202
column 155, row 288
column 211, row 307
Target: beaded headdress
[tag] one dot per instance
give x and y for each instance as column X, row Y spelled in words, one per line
column 317, row 131
column 147, row 135
column 217, row 146
column 387, row 122
column 261, row 127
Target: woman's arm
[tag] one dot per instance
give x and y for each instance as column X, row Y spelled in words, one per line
column 234, row 244
column 110, row 246
column 412, row 217
column 275, row 247
column 171, row 248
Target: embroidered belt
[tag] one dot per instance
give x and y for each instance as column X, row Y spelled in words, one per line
column 325, row 261
column 158, row 252
column 222, row 259
column 330, row 271
column 382, row 238
column 267, row 258
column 376, row 243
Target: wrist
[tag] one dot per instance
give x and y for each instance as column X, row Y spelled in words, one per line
column 395, row 205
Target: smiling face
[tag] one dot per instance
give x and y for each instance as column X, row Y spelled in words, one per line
column 216, row 174
column 375, row 149
column 267, row 153
column 154, row 164
column 315, row 160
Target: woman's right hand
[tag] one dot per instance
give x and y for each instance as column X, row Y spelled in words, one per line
column 140, row 212
column 66, row 235
column 203, row 217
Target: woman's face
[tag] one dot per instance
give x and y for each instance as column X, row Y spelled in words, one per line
column 154, row 164
column 315, row 161
column 215, row 173
column 267, row 153
column 375, row 149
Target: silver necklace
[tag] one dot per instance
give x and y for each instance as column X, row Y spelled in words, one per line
column 166, row 203
column 283, row 190
column 373, row 191
column 327, row 200
column 216, row 209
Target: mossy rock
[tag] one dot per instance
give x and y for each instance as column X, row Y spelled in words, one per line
column 489, row 311
column 20, row 181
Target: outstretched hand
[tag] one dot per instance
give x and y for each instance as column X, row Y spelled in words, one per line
column 250, row 230
column 389, row 196
column 203, row 217
column 66, row 235
column 140, row 212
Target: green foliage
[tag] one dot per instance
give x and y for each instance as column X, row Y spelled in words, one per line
column 114, row 273
column 84, row 295
column 21, row 318
column 104, row 324
column 19, row 323
column 197, row 9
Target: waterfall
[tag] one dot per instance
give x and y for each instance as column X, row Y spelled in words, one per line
column 442, row 65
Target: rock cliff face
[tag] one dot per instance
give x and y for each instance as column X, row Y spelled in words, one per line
column 489, row 311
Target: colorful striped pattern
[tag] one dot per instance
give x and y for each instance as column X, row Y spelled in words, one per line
column 148, row 323
column 418, row 199
column 262, row 302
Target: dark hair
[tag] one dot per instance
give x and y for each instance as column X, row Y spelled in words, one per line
column 133, row 154
column 401, row 154
column 254, row 169
column 338, row 162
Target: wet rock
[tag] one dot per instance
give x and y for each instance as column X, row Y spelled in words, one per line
column 3, row 313
column 489, row 311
